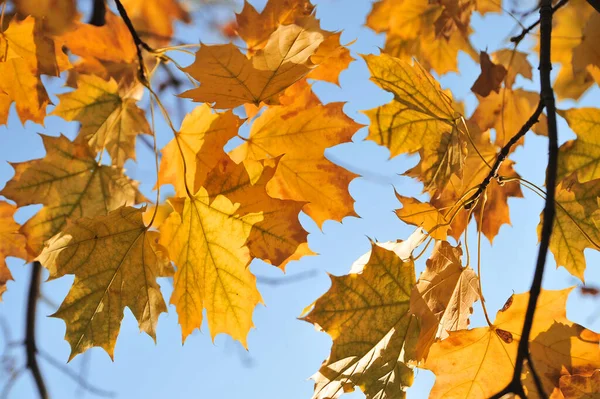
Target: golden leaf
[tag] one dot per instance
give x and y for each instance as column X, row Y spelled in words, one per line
column 374, row 334
column 229, row 79
column 331, row 58
column 256, row 28
column 116, row 262
column 201, row 137
column 443, row 297
column 582, row 155
column 303, row 172
column 206, row 242
column 56, row 16
column 575, row 225
column 108, row 119
column 12, row 243
column 515, row 63
column 279, row 237
column 581, row 386
column 424, row 215
column 71, row 185
column 478, row 363
column 154, row 19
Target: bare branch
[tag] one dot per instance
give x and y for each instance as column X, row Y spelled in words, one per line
column 30, row 344
column 547, row 96
column 517, row 39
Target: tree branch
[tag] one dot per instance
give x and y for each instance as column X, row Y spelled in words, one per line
column 517, row 39
column 503, row 154
column 98, row 17
column 139, row 43
column 547, row 95
column 30, row 344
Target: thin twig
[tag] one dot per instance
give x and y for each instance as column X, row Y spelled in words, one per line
column 517, row 39
column 503, row 154
column 78, row 379
column 139, row 43
column 30, row 344
column 547, row 95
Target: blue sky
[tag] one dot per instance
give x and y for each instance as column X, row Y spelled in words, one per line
column 283, row 351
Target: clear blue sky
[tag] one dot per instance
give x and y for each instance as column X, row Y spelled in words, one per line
column 283, row 351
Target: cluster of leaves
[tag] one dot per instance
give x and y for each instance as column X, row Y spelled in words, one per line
column 231, row 208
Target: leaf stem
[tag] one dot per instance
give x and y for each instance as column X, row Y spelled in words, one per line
column 485, row 313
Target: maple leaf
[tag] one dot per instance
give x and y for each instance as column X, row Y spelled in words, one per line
column 71, row 185
column 374, row 334
column 154, row 18
column 109, row 120
column 576, row 221
column 567, row 35
column 420, row 117
column 113, row 53
column 28, row 53
column 478, row 363
column 303, row 172
column 206, row 242
column 582, row 155
column 515, row 63
column 279, row 237
column 12, row 243
column 586, row 52
column 424, row 215
column 413, row 30
column 56, row 16
column 443, row 296
column 477, row 166
column 506, row 111
column 331, row 58
column 580, row 386
column 490, row 78
column 116, row 262
column 256, row 28
column 229, row 79
column 201, row 138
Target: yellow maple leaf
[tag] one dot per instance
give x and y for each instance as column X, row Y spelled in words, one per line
column 303, row 172
column 109, row 120
column 206, row 242
column 478, row 363
column 12, row 243
column 116, row 262
column 477, row 166
column 580, row 386
column 420, row 29
column 153, row 19
column 424, row 215
column 28, row 53
column 515, row 63
column 443, row 296
column 421, row 117
column 56, row 16
column 331, row 58
column 70, row 184
column 582, row 155
column 229, row 79
column 279, row 237
column 505, row 111
column 374, row 333
column 255, row 28
column 113, row 53
column 201, row 137
column 576, row 225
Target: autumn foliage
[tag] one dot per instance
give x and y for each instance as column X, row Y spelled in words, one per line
column 232, row 207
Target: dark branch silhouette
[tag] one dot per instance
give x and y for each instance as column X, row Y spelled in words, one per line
column 547, row 96
column 98, row 17
column 30, row 344
column 517, row 39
